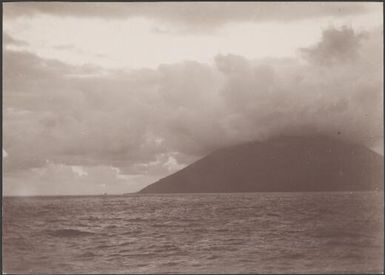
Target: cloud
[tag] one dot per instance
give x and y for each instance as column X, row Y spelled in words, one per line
column 193, row 16
column 141, row 125
column 59, row 179
column 79, row 171
column 10, row 41
column 337, row 45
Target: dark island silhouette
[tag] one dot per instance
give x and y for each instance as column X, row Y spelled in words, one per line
column 280, row 164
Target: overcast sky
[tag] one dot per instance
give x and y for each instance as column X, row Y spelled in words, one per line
column 110, row 97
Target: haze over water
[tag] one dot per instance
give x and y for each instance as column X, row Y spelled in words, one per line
column 195, row 233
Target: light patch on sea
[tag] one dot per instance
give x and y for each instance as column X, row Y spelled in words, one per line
column 339, row 232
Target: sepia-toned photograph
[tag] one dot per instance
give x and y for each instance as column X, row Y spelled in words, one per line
column 192, row 137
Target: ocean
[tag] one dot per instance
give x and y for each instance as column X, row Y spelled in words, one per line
column 336, row 232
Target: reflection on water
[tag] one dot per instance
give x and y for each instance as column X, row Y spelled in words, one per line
column 195, row 233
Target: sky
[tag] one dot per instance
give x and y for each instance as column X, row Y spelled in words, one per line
column 110, row 97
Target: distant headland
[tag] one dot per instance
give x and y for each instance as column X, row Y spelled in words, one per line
column 280, row 164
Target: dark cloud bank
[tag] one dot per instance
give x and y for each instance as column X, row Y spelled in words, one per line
column 136, row 119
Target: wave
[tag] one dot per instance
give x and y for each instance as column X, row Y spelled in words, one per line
column 134, row 231
column 88, row 254
column 69, row 233
column 136, row 220
column 104, row 246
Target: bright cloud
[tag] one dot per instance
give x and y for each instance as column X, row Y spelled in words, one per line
column 79, row 171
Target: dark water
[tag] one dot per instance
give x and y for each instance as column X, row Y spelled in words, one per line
column 195, row 233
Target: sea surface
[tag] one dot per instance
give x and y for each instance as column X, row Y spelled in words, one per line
column 304, row 233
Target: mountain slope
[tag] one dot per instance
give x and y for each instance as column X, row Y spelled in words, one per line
column 280, row 164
